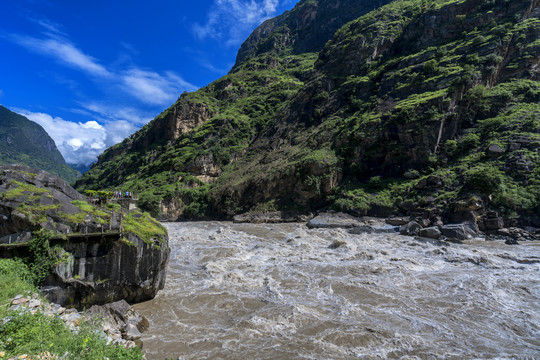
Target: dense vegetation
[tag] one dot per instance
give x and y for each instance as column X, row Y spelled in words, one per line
column 25, row 142
column 38, row 334
column 416, row 105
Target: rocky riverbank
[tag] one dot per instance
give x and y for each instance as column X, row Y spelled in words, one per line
column 428, row 224
column 118, row 323
column 426, row 227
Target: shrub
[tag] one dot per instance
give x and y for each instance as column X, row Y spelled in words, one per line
column 42, row 257
column 470, row 141
column 485, row 178
column 26, row 333
column 15, row 279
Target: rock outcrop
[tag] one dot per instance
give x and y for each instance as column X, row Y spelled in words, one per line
column 107, row 269
column 31, row 199
column 100, row 259
column 118, row 322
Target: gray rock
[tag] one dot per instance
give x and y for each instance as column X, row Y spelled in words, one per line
column 454, row 231
column 271, row 217
column 385, row 229
column 333, row 220
column 17, row 238
column 412, row 228
column 34, row 303
column 58, row 192
column 363, row 229
column 503, row 232
column 494, row 150
column 398, row 221
column 131, row 332
column 431, row 232
column 118, row 315
column 73, row 320
column 133, row 270
column 494, row 224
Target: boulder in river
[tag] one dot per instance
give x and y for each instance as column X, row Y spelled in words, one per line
column 334, row 220
column 454, row 231
column 430, row 232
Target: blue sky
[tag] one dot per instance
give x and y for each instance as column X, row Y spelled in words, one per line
column 93, row 72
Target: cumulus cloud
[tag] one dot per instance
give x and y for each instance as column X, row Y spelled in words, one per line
column 81, row 142
column 232, row 20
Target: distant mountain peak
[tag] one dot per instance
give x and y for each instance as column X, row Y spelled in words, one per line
column 26, row 142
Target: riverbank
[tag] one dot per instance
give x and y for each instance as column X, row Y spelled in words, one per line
column 426, row 225
column 33, row 328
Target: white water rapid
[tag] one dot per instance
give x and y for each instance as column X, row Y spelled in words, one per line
column 282, row 291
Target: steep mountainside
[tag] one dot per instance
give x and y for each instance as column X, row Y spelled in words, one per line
column 416, row 106
column 23, row 141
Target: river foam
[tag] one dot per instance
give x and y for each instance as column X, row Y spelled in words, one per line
column 282, row 291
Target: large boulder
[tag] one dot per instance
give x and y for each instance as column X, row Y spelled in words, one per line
column 454, row 231
column 334, row 220
column 411, row 228
column 431, row 232
column 101, row 261
column 108, row 269
column 31, row 199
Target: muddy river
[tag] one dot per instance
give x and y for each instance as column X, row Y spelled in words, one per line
column 245, row 291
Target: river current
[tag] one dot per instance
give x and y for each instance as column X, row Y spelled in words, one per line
column 282, row 291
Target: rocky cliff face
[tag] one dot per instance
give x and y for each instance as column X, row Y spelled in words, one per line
column 24, row 141
column 410, row 92
column 306, row 28
column 31, row 199
column 105, row 270
column 103, row 256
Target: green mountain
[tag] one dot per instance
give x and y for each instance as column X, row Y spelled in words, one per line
column 371, row 107
column 25, row 142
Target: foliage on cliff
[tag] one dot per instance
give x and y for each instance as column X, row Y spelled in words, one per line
column 25, row 142
column 32, row 200
column 417, row 104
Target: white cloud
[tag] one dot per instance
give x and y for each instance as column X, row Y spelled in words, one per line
column 78, row 142
column 149, row 87
column 63, row 51
column 153, row 88
column 75, row 143
column 92, row 125
column 1, row 93
column 232, row 20
column 114, row 113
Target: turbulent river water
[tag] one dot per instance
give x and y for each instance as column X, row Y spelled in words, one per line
column 282, row 291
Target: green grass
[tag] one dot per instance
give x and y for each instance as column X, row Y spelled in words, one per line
column 144, row 226
column 33, row 334
column 21, row 189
